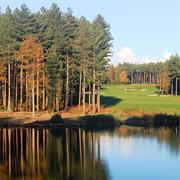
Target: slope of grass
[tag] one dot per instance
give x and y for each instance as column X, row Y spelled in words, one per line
column 146, row 98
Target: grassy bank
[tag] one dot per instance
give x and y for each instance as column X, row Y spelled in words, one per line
column 139, row 98
column 137, row 105
column 98, row 121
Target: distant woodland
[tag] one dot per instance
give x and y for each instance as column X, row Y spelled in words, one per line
column 51, row 60
column 165, row 74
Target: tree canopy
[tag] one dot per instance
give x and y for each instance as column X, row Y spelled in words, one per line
column 58, row 59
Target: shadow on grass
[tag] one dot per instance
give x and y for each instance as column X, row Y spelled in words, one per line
column 109, row 101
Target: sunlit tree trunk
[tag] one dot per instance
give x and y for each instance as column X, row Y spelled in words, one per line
column 13, row 87
column 37, row 91
column 98, row 97
column 132, row 78
column 21, row 89
column 84, row 90
column 16, row 96
column 80, row 89
column 89, row 96
column 93, row 92
column 4, row 90
column 9, row 87
column 27, row 94
column 33, row 103
column 172, row 88
column 176, row 89
column 43, row 96
column 67, row 82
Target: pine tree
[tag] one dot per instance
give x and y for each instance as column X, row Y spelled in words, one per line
column 101, row 38
column 83, row 47
column 51, row 36
column 69, row 29
column 111, row 73
column 7, row 46
column 174, row 69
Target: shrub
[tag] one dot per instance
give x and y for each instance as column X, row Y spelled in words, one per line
column 55, row 119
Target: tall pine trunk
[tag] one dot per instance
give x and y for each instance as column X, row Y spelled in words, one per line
column 43, row 96
column 21, row 89
column 176, row 90
column 132, row 80
column 16, row 90
column 9, row 87
column 80, row 89
column 172, row 88
column 84, row 90
column 4, row 90
column 67, row 83
column 27, row 95
column 37, row 91
column 33, row 103
column 14, row 86
column 16, row 100
column 89, row 96
column 93, row 93
column 98, row 98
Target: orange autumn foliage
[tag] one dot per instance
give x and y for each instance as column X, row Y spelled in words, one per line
column 123, row 78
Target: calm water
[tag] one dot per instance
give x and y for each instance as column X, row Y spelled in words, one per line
column 122, row 154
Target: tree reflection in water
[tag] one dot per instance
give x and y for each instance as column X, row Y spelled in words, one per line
column 49, row 154
column 64, row 153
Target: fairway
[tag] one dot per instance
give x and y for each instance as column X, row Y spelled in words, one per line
column 146, row 98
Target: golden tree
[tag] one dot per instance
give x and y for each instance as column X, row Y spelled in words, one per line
column 165, row 80
column 31, row 57
column 123, row 78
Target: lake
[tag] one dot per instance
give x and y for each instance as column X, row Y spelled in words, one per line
column 124, row 153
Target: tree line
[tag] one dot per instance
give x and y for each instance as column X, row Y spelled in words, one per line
column 165, row 74
column 52, row 60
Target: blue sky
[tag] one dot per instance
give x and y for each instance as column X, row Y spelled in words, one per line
column 143, row 30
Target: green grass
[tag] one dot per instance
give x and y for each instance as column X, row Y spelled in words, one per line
column 146, row 98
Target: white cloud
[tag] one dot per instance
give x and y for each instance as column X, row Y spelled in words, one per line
column 125, row 54
column 167, row 56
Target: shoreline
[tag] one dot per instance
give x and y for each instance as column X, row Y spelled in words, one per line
column 98, row 121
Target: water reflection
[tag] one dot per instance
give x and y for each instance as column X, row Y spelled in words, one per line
column 74, row 153
column 49, row 154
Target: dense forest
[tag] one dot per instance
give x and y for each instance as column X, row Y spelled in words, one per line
column 51, row 60
column 165, row 74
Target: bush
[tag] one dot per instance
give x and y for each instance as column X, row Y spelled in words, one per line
column 55, row 119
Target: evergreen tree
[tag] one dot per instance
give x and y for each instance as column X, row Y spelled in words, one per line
column 101, row 39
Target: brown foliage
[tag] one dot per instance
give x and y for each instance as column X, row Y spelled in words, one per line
column 165, row 80
column 123, row 77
